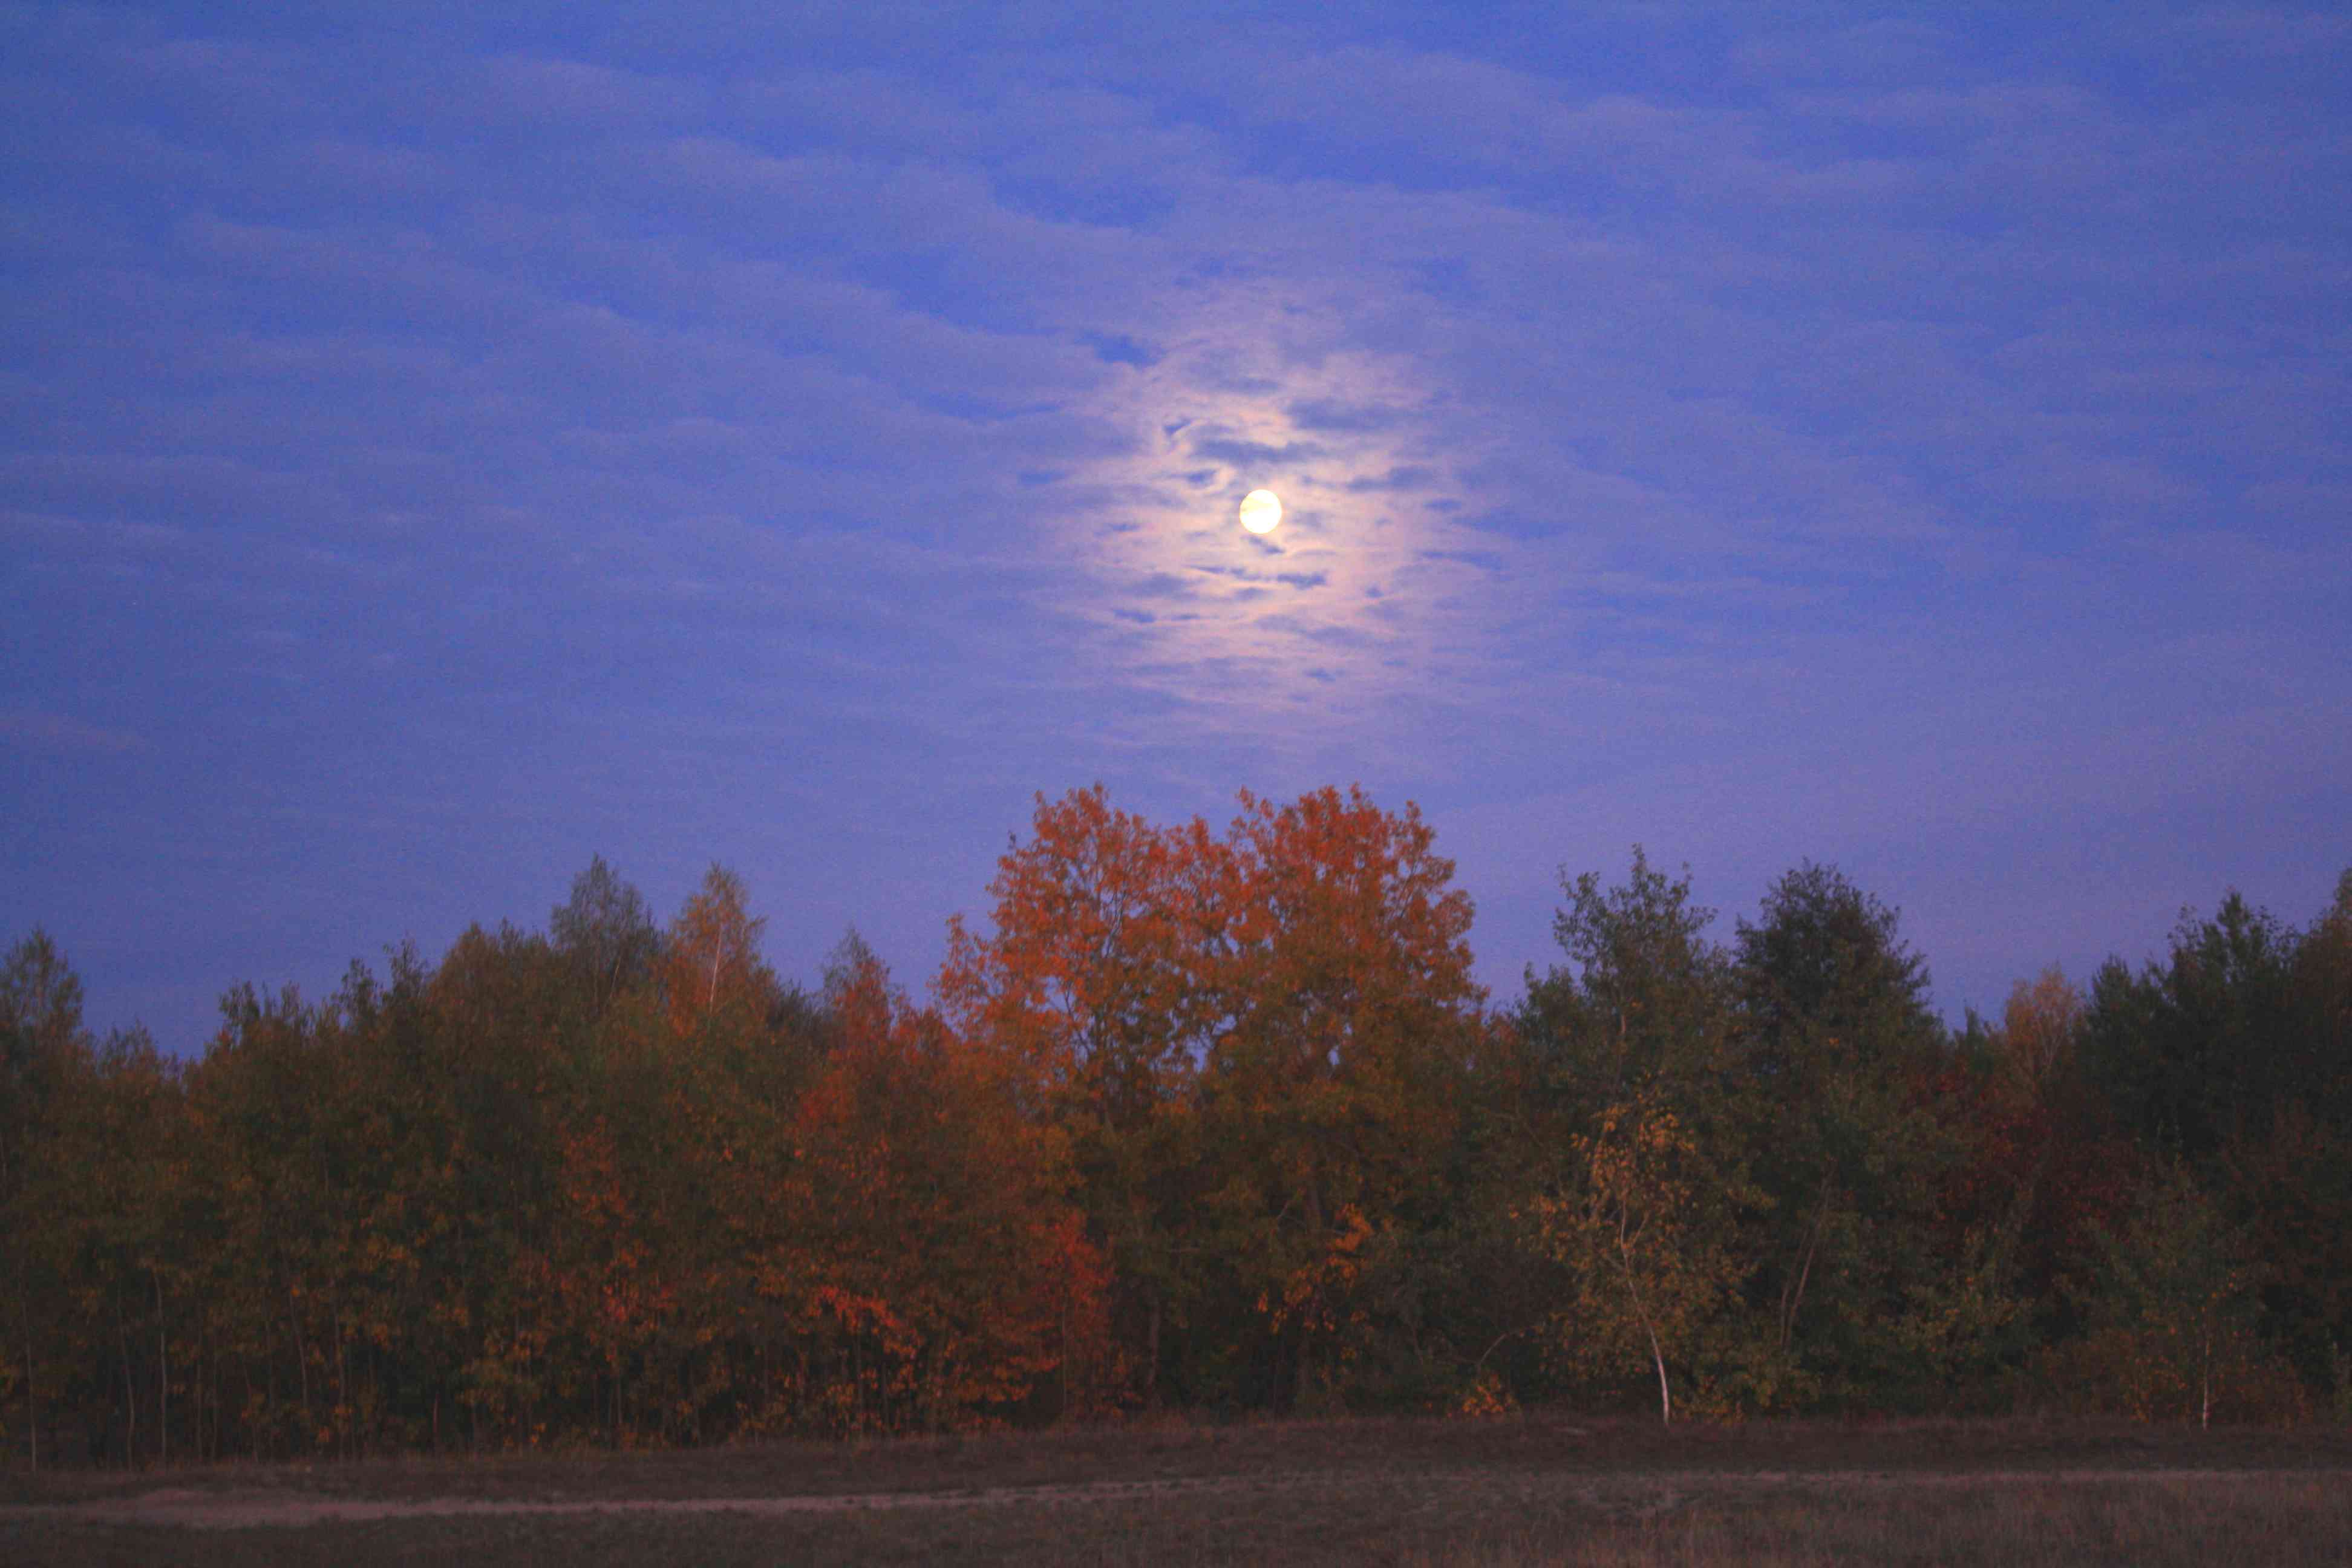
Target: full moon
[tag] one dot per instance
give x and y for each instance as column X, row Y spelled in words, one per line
column 1261, row 510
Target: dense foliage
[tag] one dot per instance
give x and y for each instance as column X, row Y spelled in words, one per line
column 1216, row 1120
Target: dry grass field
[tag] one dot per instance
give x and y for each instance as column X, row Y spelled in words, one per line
column 1526, row 1490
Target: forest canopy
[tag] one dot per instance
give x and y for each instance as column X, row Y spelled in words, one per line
column 1200, row 1118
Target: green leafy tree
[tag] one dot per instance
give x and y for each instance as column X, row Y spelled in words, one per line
column 1645, row 995
column 2202, row 1045
column 2289, row 1193
column 1837, row 1047
column 1633, row 1040
column 2175, row 1285
column 45, row 1052
column 120, row 1134
column 604, row 931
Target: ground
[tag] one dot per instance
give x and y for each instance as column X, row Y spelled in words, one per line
column 1524, row 1490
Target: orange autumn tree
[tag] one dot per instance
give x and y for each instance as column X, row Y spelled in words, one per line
column 941, row 1278
column 1092, row 990
column 1350, row 1017
column 605, row 1283
column 1252, row 1042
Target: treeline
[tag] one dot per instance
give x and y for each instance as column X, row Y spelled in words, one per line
column 1206, row 1119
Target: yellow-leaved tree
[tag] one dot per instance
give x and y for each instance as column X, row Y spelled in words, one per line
column 1646, row 1238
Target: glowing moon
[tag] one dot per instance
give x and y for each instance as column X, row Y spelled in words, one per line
column 1261, row 510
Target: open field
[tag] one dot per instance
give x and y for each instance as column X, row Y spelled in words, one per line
column 1525, row 1490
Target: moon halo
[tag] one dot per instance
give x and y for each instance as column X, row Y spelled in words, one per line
column 1261, row 511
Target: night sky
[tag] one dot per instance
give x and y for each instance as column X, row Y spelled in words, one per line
column 441, row 443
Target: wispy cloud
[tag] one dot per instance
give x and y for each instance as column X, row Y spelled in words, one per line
column 54, row 732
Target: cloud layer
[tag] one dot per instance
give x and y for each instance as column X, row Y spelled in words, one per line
column 432, row 456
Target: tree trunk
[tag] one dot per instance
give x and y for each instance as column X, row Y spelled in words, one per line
column 212, row 1354
column 1665, row 1394
column 163, row 1373
column 32, row 1405
column 302, row 1370
column 2205, row 1382
column 129, row 1391
column 1151, row 1357
column 1063, row 1330
column 1649, row 1327
column 1304, row 1383
column 1793, row 1301
column 343, row 1387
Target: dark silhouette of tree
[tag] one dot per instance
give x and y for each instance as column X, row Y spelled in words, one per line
column 2202, row 1045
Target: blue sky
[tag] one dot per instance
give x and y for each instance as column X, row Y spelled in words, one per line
column 438, row 447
